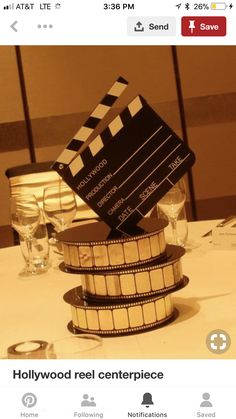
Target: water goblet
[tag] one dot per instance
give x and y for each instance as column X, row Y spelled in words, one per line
column 25, row 218
column 40, row 247
column 59, row 206
column 171, row 204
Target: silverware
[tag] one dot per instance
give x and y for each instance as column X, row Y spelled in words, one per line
column 221, row 224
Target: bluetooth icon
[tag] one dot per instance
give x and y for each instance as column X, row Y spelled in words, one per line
column 187, row 6
column 29, row 400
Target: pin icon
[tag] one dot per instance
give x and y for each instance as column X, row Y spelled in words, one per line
column 192, row 26
column 29, row 400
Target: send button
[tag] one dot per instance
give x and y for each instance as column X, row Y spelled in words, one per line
column 152, row 26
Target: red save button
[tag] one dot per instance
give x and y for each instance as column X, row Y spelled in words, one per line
column 203, row 26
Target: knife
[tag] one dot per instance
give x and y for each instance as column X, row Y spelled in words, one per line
column 222, row 224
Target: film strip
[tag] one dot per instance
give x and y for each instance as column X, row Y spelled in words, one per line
column 101, row 110
column 106, row 135
column 119, row 318
column 150, row 279
column 97, row 252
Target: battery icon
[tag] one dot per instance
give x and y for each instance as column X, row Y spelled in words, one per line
column 218, row 6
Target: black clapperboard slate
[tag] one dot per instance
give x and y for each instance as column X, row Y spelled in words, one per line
column 133, row 169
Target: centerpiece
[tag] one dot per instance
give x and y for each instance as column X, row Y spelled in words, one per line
column 127, row 271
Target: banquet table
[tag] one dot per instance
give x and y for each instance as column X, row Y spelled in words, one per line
column 32, row 308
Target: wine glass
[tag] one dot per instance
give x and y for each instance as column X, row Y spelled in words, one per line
column 59, row 206
column 25, row 218
column 171, row 205
column 40, row 247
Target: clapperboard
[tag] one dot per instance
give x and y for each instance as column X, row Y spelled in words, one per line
column 123, row 172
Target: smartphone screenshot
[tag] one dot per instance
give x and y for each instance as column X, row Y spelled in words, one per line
column 118, row 209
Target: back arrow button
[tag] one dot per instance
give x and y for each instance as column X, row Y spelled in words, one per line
column 13, row 26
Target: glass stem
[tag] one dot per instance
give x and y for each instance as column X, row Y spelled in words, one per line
column 29, row 262
column 173, row 222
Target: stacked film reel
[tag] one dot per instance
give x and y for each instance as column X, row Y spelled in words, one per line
column 126, row 282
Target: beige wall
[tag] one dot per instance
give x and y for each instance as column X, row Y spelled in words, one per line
column 209, row 72
column 65, row 83
column 62, row 80
column 70, row 81
column 10, row 111
column 10, row 102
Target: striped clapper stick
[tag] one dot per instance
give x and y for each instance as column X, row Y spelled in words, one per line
column 101, row 110
column 102, row 139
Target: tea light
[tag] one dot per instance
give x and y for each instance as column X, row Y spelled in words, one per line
column 33, row 349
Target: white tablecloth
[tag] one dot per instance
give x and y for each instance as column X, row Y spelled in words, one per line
column 33, row 308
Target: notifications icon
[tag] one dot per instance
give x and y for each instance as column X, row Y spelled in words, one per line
column 147, row 399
